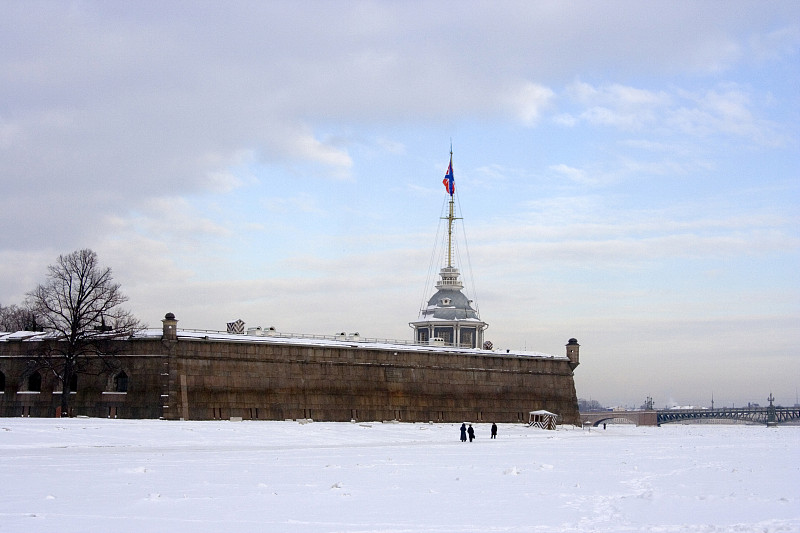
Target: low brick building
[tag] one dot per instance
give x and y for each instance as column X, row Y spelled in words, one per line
column 173, row 374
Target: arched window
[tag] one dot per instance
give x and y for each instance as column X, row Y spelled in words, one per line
column 121, row 382
column 35, row 382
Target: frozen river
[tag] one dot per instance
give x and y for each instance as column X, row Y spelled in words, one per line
column 95, row 475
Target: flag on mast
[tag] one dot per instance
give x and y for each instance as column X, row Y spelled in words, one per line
column 449, row 182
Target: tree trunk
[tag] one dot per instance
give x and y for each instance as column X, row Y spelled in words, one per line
column 66, row 379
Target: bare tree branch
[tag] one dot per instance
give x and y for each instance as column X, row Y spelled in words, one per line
column 16, row 318
column 80, row 306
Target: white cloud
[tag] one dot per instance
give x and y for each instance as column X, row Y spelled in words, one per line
column 565, row 119
column 9, row 134
column 529, row 101
column 302, row 203
column 775, row 45
column 726, row 112
column 307, row 147
column 574, row 174
column 617, row 96
column 615, row 105
column 392, row 146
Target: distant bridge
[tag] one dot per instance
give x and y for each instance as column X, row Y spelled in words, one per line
column 768, row 416
column 640, row 418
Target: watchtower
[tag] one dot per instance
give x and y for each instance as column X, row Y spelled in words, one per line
column 573, row 353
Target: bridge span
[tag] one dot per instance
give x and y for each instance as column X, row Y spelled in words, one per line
column 769, row 416
column 640, row 418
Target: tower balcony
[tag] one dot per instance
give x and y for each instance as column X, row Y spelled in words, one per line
column 449, row 279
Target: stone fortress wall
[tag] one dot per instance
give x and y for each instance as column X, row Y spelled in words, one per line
column 173, row 375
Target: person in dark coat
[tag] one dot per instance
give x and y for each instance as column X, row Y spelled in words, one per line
column 471, row 433
column 494, row 430
column 463, row 433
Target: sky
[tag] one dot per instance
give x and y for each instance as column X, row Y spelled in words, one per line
column 627, row 173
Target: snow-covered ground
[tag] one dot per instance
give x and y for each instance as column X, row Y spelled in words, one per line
column 94, row 475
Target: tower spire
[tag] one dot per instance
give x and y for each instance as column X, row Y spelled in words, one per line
column 449, row 317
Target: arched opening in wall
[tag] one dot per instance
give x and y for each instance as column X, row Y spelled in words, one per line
column 121, row 382
column 2, row 382
column 35, row 382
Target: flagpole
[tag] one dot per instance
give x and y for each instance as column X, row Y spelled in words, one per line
column 450, row 219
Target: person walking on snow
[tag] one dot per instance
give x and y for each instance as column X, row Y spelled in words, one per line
column 471, row 433
column 494, row 430
column 463, row 433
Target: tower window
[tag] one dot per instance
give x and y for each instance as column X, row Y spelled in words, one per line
column 445, row 333
column 468, row 337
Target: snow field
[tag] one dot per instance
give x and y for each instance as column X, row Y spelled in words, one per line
column 95, row 475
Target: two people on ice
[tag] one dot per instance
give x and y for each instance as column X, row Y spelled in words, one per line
column 471, row 432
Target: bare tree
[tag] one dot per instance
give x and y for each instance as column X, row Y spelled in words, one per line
column 80, row 307
column 16, row 318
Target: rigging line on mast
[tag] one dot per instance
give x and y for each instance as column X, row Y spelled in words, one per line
column 434, row 260
column 471, row 277
column 450, row 219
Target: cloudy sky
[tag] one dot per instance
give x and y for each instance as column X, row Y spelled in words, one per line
column 628, row 173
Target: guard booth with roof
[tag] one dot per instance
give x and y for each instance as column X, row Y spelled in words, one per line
column 542, row 419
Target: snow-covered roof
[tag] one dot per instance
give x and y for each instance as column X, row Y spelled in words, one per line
column 450, row 304
column 23, row 336
column 337, row 342
column 332, row 341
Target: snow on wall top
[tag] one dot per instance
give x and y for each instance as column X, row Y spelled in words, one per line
column 302, row 340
